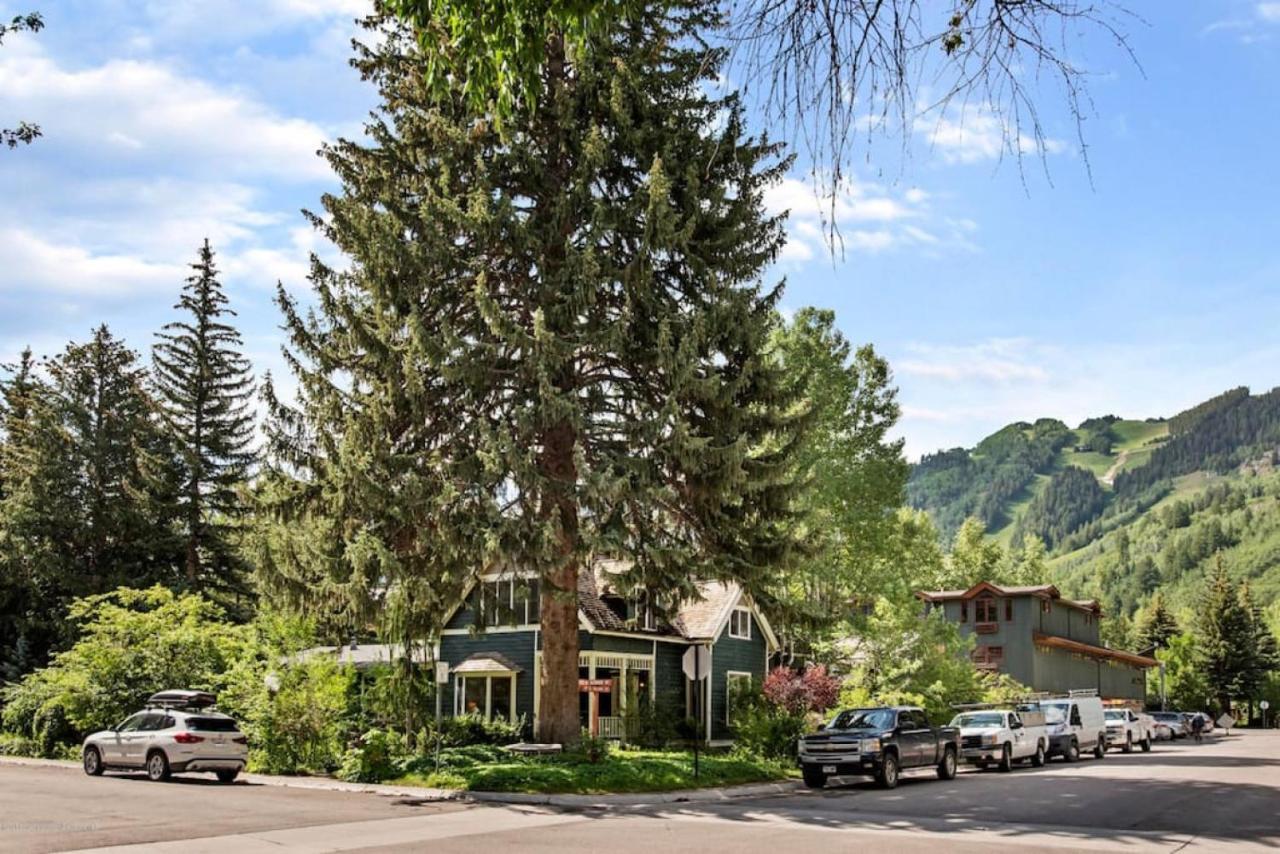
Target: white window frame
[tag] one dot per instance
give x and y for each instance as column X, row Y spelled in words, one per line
column 459, row 692
column 729, row 676
column 733, row 615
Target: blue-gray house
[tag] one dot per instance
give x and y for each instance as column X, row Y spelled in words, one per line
column 630, row 656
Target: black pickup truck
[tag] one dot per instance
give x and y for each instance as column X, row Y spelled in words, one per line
column 881, row 743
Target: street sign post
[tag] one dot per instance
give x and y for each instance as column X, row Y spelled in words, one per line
column 697, row 666
column 442, row 679
column 1264, row 705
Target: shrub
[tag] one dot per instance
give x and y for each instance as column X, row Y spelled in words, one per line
column 592, row 749
column 466, row 730
column 652, row 726
column 12, row 744
column 769, row 732
column 798, row 693
column 375, row 758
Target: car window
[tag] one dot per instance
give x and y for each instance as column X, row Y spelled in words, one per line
column 977, row 719
column 133, row 724
column 211, row 724
column 1075, row 716
column 151, row 723
column 864, row 719
column 912, row 720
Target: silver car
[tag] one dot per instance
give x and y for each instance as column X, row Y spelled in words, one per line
column 177, row 733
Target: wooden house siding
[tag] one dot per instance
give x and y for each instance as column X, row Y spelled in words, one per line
column 733, row 654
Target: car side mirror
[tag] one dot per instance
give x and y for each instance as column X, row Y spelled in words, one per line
column 1016, row 725
column 821, row 727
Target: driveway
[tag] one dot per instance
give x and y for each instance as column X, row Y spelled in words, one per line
column 1222, row 795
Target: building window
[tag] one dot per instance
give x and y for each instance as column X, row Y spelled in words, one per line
column 646, row 617
column 1044, row 606
column 988, row 657
column 487, row 695
column 985, row 611
column 736, row 682
column 740, row 624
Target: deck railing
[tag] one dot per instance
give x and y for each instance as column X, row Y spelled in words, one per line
column 611, row 727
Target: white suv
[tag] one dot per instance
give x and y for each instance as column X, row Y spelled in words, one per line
column 174, row 734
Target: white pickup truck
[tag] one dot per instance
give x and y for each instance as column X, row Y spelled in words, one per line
column 1127, row 728
column 1002, row 737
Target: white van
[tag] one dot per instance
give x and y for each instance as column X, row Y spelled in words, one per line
column 1076, row 722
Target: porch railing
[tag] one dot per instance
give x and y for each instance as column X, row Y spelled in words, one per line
column 611, row 727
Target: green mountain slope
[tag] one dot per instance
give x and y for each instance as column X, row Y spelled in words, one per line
column 1100, row 495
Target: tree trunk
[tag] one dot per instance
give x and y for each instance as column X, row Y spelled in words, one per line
column 558, row 721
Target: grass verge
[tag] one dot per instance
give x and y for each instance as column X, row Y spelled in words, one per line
column 622, row 771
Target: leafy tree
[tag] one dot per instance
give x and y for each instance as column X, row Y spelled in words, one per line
column 816, row 65
column 203, row 384
column 131, row 644
column 24, row 133
column 974, row 558
column 1225, row 636
column 550, row 344
column 1185, row 684
column 1031, row 566
column 1157, row 625
column 856, row 473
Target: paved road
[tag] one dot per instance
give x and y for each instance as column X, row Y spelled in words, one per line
column 1222, row 795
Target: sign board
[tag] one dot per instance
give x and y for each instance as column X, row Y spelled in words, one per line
column 1226, row 722
column 442, row 672
column 1264, row 705
column 696, row 663
column 596, row 686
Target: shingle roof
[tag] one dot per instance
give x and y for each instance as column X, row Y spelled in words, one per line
column 700, row 618
column 487, row 662
column 1048, row 591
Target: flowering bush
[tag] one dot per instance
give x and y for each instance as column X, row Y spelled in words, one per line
column 814, row 690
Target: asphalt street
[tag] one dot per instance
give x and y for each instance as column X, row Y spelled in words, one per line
column 1222, row 795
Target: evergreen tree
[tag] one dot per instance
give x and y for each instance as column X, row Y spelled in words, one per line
column 203, row 385
column 17, row 395
column 1263, row 653
column 1157, row 624
column 1225, row 635
column 550, row 344
column 80, row 515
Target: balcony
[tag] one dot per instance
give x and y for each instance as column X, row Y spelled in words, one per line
column 986, row 628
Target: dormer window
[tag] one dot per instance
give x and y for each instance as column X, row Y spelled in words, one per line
column 646, row 616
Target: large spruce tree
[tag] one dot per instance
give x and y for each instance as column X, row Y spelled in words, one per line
column 204, row 386
column 1225, row 636
column 548, row 345
column 1157, row 626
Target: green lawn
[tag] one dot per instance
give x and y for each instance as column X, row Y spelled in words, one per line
column 620, row 771
column 1134, row 434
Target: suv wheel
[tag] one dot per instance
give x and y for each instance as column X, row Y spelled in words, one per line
column 813, row 777
column 1128, row 742
column 157, row 766
column 887, row 776
column 1073, row 751
column 1037, row 760
column 92, row 761
column 947, row 767
column 227, row 776
column 1006, row 759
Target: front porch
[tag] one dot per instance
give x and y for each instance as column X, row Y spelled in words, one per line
column 611, row 686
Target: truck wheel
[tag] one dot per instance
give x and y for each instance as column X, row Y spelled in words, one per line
column 947, row 767
column 887, row 776
column 1006, row 759
column 1100, row 748
column 1128, row 742
column 1072, row 753
column 1037, row 760
column 813, row 777
column 1145, row 744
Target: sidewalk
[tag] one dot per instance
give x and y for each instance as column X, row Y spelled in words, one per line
column 419, row 793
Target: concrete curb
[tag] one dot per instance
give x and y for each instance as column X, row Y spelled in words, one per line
column 391, row 790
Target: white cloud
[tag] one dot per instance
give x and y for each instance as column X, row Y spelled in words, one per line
column 37, row 266
column 981, row 136
column 147, row 114
column 996, row 360
column 1269, row 12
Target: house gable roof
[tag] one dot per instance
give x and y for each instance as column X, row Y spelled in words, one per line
column 1040, row 591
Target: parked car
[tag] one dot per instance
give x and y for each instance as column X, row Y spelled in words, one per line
column 1002, row 737
column 1076, row 723
column 1176, row 723
column 177, row 732
column 1126, row 728
column 882, row 743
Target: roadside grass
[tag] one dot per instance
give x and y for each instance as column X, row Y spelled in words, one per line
column 622, row 771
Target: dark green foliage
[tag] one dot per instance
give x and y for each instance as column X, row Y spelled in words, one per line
column 1157, row 626
column 24, row 133
column 1071, row 498
column 548, row 344
column 1216, row 436
column 203, row 385
column 1225, row 635
column 953, row 485
column 86, row 505
column 1262, row 655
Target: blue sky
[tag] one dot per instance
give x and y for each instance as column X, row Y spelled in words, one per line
column 1146, row 290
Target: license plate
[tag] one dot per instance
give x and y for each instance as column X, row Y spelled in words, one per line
column 219, row 741
column 828, row 769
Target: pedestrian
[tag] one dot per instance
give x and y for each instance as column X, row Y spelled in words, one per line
column 1197, row 726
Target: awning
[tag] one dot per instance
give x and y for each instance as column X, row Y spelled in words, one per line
column 1088, row 649
column 487, row 662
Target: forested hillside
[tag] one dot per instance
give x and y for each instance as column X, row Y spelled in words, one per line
column 1127, row 506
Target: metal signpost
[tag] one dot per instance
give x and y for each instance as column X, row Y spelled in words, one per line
column 1264, row 705
column 696, row 664
column 442, row 679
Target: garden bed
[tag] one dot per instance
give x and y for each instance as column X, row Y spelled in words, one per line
column 626, row 771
